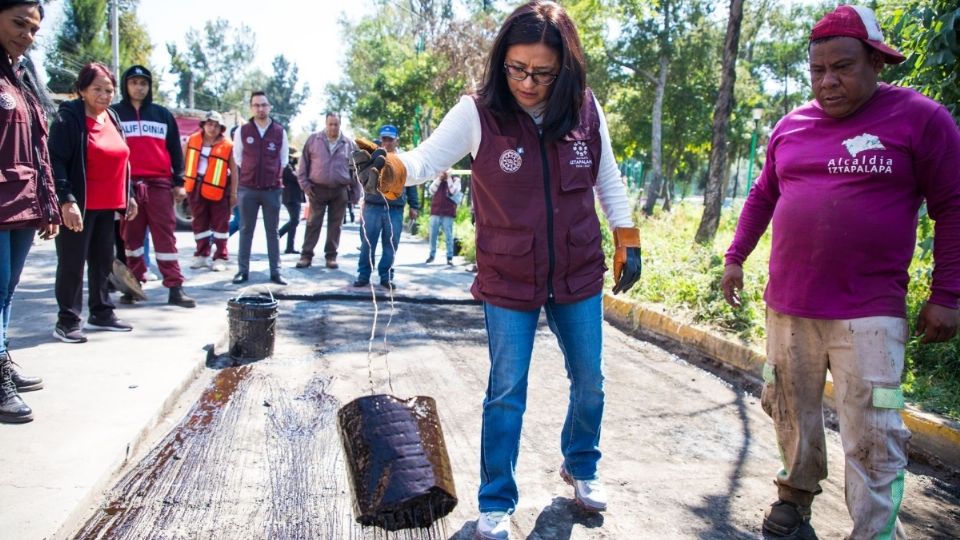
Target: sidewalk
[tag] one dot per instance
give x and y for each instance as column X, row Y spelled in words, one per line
column 104, row 397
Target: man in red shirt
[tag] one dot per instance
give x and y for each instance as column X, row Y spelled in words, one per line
column 156, row 166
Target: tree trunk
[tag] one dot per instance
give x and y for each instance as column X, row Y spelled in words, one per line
column 656, row 137
column 713, row 196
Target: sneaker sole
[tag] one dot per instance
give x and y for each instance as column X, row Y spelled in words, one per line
column 576, row 497
column 90, row 326
column 65, row 339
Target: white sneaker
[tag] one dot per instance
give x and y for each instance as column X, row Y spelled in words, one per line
column 150, row 276
column 493, row 526
column 199, row 262
column 218, row 266
column 588, row 494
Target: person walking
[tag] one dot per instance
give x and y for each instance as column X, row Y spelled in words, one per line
column 445, row 197
column 382, row 219
column 844, row 179
column 541, row 154
column 324, row 174
column 261, row 152
column 292, row 200
column 156, row 168
column 89, row 158
column 211, row 191
column 28, row 195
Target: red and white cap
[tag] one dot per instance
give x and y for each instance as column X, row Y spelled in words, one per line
column 856, row 22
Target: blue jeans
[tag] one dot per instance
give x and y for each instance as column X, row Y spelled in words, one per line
column 511, row 333
column 379, row 221
column 14, row 247
column 436, row 222
column 234, row 221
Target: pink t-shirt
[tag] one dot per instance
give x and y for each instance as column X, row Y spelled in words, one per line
column 843, row 195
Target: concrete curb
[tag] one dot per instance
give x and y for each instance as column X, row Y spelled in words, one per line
column 933, row 436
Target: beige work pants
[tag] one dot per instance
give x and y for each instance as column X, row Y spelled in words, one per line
column 865, row 357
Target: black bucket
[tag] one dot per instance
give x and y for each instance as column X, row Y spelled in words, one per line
column 253, row 326
column 397, row 461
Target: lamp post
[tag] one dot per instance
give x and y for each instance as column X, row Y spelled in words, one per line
column 756, row 114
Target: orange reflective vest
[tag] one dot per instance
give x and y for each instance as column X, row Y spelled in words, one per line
column 214, row 181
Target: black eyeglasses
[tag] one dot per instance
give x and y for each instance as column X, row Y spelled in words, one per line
column 519, row 74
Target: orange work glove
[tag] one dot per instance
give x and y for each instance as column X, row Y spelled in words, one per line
column 379, row 171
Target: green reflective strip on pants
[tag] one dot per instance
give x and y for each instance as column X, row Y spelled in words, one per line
column 896, row 497
column 769, row 376
column 888, row 398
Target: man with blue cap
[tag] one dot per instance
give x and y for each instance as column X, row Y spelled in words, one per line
column 383, row 218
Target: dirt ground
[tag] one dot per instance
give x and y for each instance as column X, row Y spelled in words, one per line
column 686, row 454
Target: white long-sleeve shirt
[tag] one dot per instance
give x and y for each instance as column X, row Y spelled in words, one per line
column 459, row 134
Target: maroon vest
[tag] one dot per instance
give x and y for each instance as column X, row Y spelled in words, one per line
column 538, row 235
column 441, row 204
column 260, row 166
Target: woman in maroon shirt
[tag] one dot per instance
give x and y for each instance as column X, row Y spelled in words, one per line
column 27, row 200
column 91, row 167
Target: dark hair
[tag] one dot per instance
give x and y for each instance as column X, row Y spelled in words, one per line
column 333, row 114
column 29, row 83
column 90, row 72
column 544, row 22
column 256, row 93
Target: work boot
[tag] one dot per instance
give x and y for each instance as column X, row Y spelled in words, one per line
column 304, row 262
column 24, row 383
column 784, row 518
column 12, row 409
column 332, row 264
column 180, row 298
column 588, row 494
column 127, row 299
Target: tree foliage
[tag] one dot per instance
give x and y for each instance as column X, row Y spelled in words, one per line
column 926, row 32
column 282, row 90
column 408, row 65
column 84, row 36
column 212, row 65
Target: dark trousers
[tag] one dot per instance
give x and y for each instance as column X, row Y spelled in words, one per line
column 250, row 202
column 290, row 227
column 95, row 247
column 331, row 202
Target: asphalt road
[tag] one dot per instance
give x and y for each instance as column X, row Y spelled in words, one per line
column 686, row 454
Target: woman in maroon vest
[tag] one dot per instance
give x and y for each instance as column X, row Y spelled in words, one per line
column 27, row 198
column 541, row 154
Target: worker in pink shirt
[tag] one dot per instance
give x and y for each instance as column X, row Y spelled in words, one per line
column 844, row 179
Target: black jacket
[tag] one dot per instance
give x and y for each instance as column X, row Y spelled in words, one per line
column 292, row 193
column 68, row 153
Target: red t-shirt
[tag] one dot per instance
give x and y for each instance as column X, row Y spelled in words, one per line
column 107, row 156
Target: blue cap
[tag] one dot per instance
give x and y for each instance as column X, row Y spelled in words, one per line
column 389, row 131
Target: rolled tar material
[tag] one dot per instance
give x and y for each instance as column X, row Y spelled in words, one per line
column 397, row 461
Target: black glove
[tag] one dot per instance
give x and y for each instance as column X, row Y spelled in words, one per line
column 630, row 271
column 368, row 167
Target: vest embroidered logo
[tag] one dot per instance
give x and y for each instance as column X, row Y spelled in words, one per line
column 580, row 149
column 510, row 161
column 7, row 101
column 581, row 153
column 271, row 146
column 249, row 140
